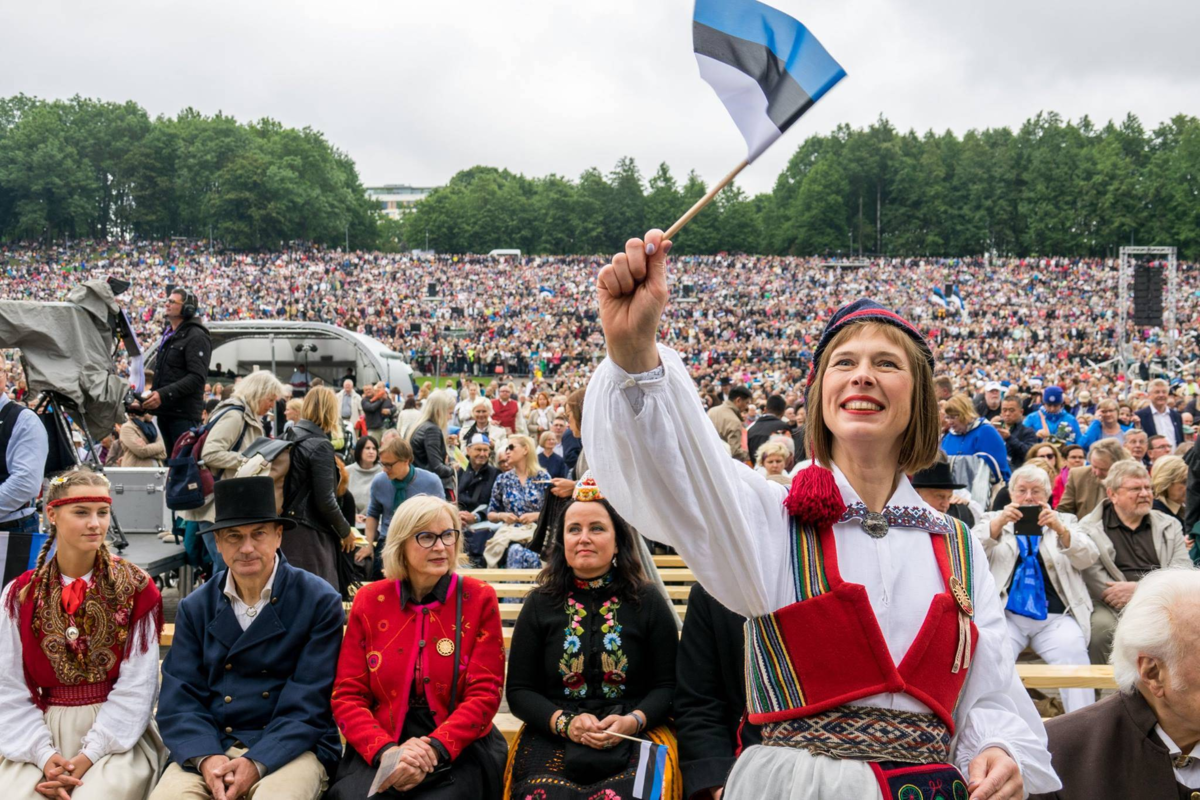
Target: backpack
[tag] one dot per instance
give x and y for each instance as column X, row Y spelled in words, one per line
column 189, row 482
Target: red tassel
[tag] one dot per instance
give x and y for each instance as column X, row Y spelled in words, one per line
column 815, row 499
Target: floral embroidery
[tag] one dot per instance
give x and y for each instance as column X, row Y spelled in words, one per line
column 613, row 660
column 571, row 664
column 595, row 583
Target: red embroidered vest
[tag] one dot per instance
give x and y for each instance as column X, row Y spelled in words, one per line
column 827, row 649
column 70, row 672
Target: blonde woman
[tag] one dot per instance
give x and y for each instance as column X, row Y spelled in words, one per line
column 970, row 435
column 517, row 497
column 1168, row 478
column 428, row 437
column 407, row 676
column 310, row 491
column 79, row 660
column 773, row 457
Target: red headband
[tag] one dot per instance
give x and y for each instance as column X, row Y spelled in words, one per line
column 67, row 501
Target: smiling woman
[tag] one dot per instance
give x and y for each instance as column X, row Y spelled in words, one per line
column 79, row 659
column 840, row 576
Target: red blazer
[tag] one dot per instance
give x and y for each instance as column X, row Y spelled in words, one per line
column 380, row 654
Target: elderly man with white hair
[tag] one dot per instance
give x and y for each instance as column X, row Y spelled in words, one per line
column 1037, row 564
column 1143, row 741
column 1133, row 540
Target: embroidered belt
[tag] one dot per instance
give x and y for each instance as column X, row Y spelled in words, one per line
column 85, row 694
column 865, row 734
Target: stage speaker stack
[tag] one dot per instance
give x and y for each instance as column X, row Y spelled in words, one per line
column 431, row 289
column 689, row 290
column 1148, row 296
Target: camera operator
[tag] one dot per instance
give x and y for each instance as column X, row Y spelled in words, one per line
column 181, row 368
column 23, row 449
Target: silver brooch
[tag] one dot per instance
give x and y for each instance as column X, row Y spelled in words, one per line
column 875, row 524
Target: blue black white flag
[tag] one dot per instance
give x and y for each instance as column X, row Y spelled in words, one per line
column 652, row 768
column 938, row 297
column 766, row 67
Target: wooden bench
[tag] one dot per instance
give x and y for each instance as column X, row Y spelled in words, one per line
column 668, row 574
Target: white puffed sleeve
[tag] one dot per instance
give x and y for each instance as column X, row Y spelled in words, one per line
column 994, row 709
column 24, row 736
column 658, row 459
column 123, row 717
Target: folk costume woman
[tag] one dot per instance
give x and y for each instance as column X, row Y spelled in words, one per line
column 878, row 662
column 79, row 661
column 593, row 651
column 421, row 668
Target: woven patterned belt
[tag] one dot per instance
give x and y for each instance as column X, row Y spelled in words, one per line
column 85, row 694
column 865, row 734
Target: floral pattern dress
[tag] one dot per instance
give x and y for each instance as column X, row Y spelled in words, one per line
column 599, row 652
column 510, row 496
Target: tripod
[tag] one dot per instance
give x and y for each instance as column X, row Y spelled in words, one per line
column 56, row 406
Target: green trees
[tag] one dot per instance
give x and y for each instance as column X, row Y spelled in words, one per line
column 83, row 167
column 1052, row 187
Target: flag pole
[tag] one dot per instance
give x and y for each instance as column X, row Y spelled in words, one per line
column 703, row 201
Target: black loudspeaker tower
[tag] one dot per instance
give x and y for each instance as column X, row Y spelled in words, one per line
column 414, row 327
column 431, row 289
column 1148, row 296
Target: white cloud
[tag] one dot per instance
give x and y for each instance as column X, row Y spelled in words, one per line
column 415, row 91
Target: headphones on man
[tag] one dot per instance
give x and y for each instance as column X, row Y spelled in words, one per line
column 189, row 302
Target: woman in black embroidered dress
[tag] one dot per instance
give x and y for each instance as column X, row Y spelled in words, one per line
column 593, row 651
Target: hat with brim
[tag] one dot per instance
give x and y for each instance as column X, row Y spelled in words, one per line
column 244, row 501
column 936, row 477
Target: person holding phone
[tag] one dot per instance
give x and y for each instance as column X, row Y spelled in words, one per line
column 1037, row 561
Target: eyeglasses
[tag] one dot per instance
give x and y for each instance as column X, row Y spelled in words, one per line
column 509, row 448
column 1137, row 490
column 427, row 539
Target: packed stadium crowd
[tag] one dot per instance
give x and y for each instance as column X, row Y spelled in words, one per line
column 1058, row 480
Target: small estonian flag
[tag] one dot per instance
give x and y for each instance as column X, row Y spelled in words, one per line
column 652, row 767
column 766, row 67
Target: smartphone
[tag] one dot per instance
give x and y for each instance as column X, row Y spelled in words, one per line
column 1028, row 524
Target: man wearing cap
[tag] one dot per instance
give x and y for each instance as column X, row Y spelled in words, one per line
column 1048, row 420
column 474, row 493
column 246, row 686
column 987, row 405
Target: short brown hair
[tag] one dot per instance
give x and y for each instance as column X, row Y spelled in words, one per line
column 960, row 406
column 919, row 445
column 397, row 446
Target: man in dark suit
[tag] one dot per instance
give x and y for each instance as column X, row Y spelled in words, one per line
column 710, row 695
column 1143, row 741
column 767, row 423
column 1158, row 418
column 246, row 686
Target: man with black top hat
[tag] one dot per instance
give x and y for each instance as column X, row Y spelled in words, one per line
column 246, row 686
column 936, row 486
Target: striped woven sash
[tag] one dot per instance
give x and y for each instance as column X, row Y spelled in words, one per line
column 865, row 734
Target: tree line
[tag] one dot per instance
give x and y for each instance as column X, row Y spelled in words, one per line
column 87, row 168
column 1052, row 187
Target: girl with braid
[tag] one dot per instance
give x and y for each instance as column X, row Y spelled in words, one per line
column 79, row 660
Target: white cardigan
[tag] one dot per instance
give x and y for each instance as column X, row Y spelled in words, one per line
column 1064, row 568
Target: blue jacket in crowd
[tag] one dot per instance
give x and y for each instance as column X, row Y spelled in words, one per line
column 981, row 438
column 267, row 687
column 1095, row 433
column 383, row 496
column 1034, row 420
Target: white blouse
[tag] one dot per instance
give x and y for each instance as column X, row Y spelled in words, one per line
column 122, row 718
column 659, row 461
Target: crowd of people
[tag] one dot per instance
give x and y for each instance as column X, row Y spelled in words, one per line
column 857, row 479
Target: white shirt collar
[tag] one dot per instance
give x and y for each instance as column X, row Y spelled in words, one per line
column 67, row 581
column 905, row 495
column 231, row 589
column 1172, row 748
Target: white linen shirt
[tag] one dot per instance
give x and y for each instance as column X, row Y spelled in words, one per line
column 1164, row 425
column 122, row 718
column 658, row 460
column 1189, row 776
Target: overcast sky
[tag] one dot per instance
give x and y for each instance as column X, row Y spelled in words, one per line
column 415, row 90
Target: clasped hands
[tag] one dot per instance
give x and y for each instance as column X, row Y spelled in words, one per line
column 587, row 730
column 228, row 778
column 62, row 776
column 417, row 760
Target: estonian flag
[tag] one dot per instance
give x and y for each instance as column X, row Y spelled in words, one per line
column 766, row 67
column 652, row 768
column 938, row 297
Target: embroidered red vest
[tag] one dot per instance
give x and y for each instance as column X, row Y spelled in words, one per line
column 64, row 672
column 827, row 649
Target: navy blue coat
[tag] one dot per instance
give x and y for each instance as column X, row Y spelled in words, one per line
column 267, row 687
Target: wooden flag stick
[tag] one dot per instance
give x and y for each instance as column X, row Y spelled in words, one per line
column 701, row 203
column 621, row 735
